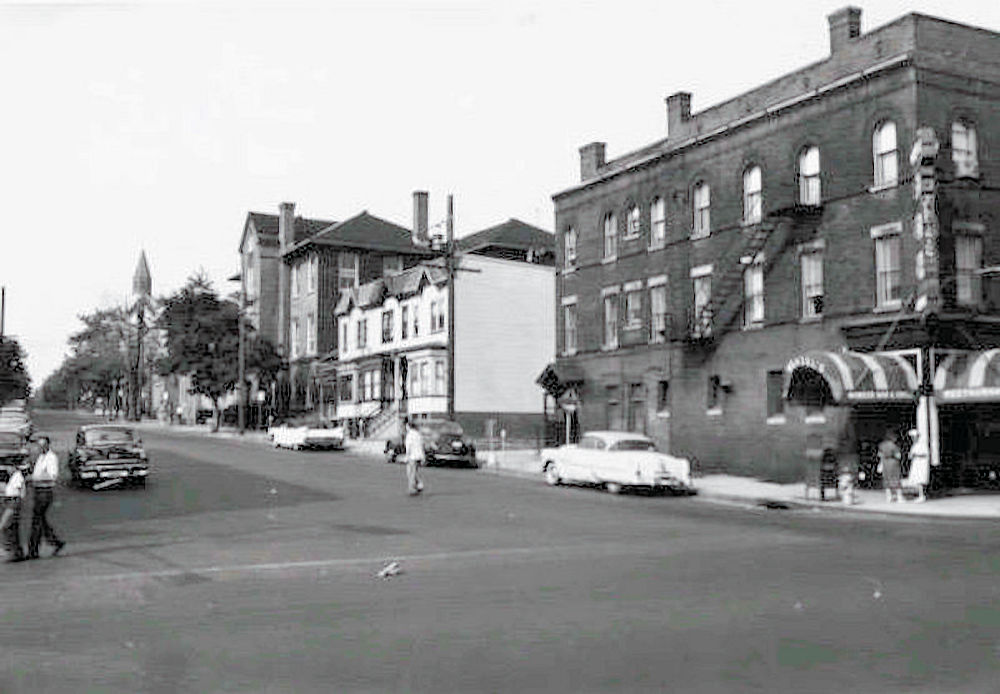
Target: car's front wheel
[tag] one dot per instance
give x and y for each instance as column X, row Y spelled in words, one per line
column 552, row 474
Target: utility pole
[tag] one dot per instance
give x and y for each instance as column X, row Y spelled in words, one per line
column 241, row 391
column 3, row 310
column 450, row 266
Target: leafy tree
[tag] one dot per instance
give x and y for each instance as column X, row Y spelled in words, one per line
column 99, row 364
column 14, row 380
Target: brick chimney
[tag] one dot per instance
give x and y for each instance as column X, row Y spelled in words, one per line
column 419, row 232
column 286, row 225
column 591, row 159
column 845, row 26
column 678, row 113
column 286, row 237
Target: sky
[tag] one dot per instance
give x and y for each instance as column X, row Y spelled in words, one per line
column 156, row 126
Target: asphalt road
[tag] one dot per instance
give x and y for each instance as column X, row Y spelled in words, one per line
column 244, row 569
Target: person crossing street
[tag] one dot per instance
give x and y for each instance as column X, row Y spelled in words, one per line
column 13, row 499
column 414, row 458
column 43, row 479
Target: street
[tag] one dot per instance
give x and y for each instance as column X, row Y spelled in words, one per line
column 243, row 568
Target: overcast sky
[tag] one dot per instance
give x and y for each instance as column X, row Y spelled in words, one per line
column 159, row 125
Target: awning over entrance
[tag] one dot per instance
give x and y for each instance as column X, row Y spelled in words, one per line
column 854, row 376
column 558, row 377
column 968, row 377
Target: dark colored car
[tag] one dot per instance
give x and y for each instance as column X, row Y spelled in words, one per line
column 13, row 451
column 107, row 453
column 444, row 442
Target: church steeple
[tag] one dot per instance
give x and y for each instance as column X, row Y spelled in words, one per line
column 142, row 283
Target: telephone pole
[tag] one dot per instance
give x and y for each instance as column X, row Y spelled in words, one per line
column 450, row 267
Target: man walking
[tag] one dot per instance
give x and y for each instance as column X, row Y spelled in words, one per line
column 13, row 499
column 43, row 479
column 414, row 458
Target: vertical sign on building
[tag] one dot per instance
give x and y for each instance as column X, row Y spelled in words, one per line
column 925, row 220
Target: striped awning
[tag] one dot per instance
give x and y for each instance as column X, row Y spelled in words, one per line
column 969, row 377
column 857, row 376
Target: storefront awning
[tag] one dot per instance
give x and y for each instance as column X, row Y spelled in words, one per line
column 968, row 377
column 855, row 376
column 557, row 377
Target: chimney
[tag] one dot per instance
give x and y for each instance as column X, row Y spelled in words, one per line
column 678, row 113
column 591, row 159
column 420, row 236
column 845, row 26
column 286, row 225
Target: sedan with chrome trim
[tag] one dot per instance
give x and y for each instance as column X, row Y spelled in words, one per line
column 616, row 460
column 106, row 455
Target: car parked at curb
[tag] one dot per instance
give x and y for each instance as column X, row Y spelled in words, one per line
column 616, row 460
column 306, row 432
column 444, row 442
column 13, row 452
column 107, row 454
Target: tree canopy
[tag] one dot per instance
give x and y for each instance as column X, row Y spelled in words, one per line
column 15, row 384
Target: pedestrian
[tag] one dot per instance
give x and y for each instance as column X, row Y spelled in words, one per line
column 10, row 523
column 414, row 444
column 43, row 480
column 889, row 465
column 846, row 481
column 920, row 465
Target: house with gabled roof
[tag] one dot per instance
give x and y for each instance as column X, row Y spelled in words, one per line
column 512, row 240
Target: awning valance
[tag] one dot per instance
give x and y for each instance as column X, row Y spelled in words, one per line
column 856, row 376
column 558, row 376
column 968, row 377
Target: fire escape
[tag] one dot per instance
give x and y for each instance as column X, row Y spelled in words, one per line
column 771, row 236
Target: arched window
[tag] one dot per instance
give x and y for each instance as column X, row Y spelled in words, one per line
column 885, row 156
column 632, row 228
column 610, row 235
column 752, row 195
column 657, row 223
column 809, row 186
column 702, row 202
column 963, row 150
column 569, row 247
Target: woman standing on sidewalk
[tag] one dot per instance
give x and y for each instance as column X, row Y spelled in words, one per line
column 890, row 461
column 920, row 465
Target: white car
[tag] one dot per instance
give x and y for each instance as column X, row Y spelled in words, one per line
column 312, row 433
column 616, row 460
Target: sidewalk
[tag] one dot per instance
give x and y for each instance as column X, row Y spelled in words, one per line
column 724, row 488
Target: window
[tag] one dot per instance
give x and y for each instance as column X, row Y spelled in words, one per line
column 362, row 332
column 968, row 260
column 809, row 184
column 311, row 334
column 887, row 265
column 415, row 380
column 812, row 284
column 964, row 152
column 569, row 247
column 611, row 320
column 702, row 205
column 775, row 394
column 884, row 151
column 437, row 317
column 658, row 309
column 752, row 195
column 425, row 384
column 753, row 294
column 387, row 323
column 376, row 385
column 663, row 397
column 295, row 338
column 610, row 236
column 439, row 378
column 569, row 325
column 416, row 321
column 313, row 272
column 346, row 388
column 633, row 306
column 612, row 409
column 347, row 271
column 343, row 334
column 713, row 398
column 658, row 223
column 404, row 322
column 391, row 265
column 434, row 316
column 702, row 326
column 441, row 315
column 632, row 226
column 636, row 408
column 295, row 280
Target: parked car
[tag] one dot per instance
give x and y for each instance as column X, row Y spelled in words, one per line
column 444, row 442
column 616, row 460
column 106, row 452
column 13, row 452
column 16, row 418
column 306, row 432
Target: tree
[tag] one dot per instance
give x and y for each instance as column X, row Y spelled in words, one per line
column 98, row 367
column 15, row 384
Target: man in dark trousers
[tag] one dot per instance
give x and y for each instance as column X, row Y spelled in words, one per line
column 43, row 479
column 13, row 498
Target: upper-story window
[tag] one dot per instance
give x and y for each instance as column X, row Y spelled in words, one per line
column 311, row 334
column 658, row 309
column 968, row 261
column 964, row 152
column 387, row 324
column 313, row 265
column 437, row 317
column 888, row 265
column 296, row 348
column 702, row 202
column 569, row 325
column 296, row 282
column 752, row 195
column 347, row 270
column 812, row 283
column 362, row 333
column 392, row 265
column 810, row 192
column 344, row 323
column 885, row 155
column 416, row 321
column 404, row 321
column 753, row 294
column 702, row 319
column 569, row 247
column 632, row 227
column 610, row 235
column 633, row 305
column 611, row 318
column 657, row 223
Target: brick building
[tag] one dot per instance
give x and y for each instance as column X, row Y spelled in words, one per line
column 797, row 267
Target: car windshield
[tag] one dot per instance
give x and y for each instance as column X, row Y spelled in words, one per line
column 9, row 439
column 634, row 445
column 98, row 436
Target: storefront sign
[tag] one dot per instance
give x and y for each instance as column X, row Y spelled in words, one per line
column 808, row 363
